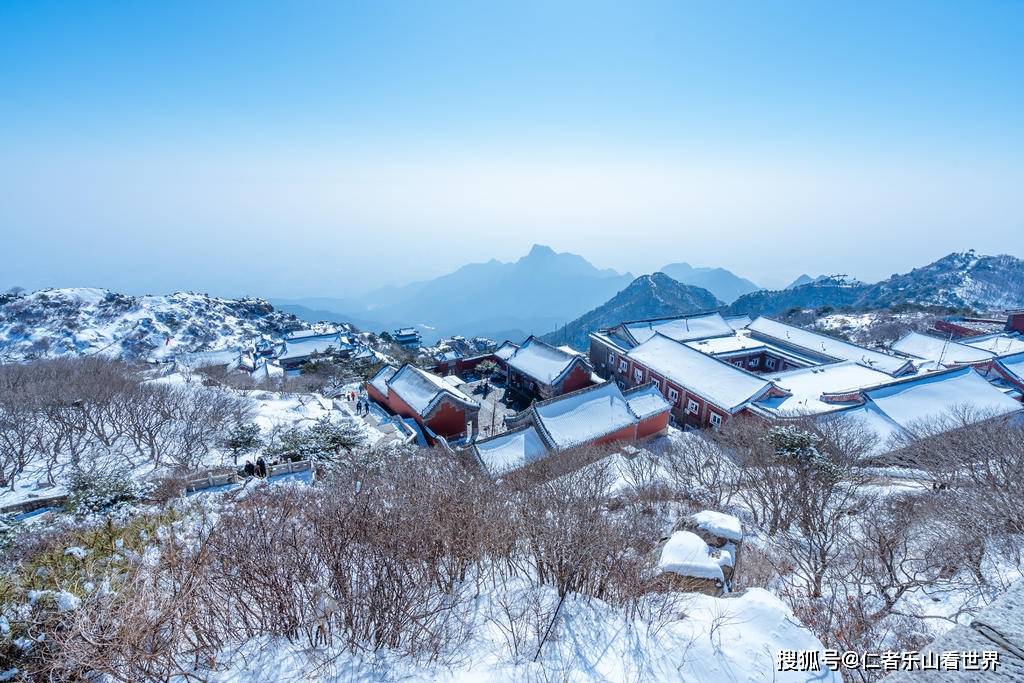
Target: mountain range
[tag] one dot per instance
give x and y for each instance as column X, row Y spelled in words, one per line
column 495, row 299
column 724, row 284
column 648, row 296
column 959, row 281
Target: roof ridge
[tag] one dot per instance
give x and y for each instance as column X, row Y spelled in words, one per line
column 555, row 399
column 706, row 311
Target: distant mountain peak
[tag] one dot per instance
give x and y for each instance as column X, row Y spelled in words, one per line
column 540, row 251
column 724, row 284
column 648, row 296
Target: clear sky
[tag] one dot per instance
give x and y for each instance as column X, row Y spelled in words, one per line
column 322, row 148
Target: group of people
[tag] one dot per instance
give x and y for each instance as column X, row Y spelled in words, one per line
column 259, row 469
column 362, row 405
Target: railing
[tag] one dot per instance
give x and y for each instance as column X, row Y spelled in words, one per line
column 33, row 504
column 212, row 480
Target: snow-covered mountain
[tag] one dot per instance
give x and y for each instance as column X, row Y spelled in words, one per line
column 648, row 296
column 56, row 322
column 958, row 281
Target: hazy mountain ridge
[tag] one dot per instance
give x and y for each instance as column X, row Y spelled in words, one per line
column 534, row 295
column 82, row 321
column 957, row 281
column 723, row 283
column 648, row 296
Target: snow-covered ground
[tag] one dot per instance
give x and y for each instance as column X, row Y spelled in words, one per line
column 707, row 640
column 84, row 321
column 273, row 411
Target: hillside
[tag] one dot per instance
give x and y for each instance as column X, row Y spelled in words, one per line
column 960, row 280
column 836, row 292
column 532, row 295
column 724, row 284
column 957, row 281
column 648, row 296
column 85, row 321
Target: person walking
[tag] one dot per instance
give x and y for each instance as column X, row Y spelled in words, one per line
column 261, row 468
column 249, row 468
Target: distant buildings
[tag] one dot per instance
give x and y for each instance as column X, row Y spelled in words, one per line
column 409, row 337
column 303, row 346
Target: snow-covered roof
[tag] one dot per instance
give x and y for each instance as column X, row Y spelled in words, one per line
column 743, row 342
column 300, row 334
column 423, row 390
column 266, row 370
column 720, row 524
column 685, row 553
column 380, row 380
column 807, row 385
column 583, row 415
column 1014, row 365
column 724, row 385
column 730, row 344
column 1003, row 344
column 943, row 351
column 541, row 361
column 928, row 401
column 506, row 350
column 513, row 449
column 305, row 347
column 685, row 328
column 646, row 401
column 738, row 322
column 934, row 395
column 829, row 346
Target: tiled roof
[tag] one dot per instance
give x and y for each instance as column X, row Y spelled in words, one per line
column 723, row 384
column 423, row 390
column 829, row 346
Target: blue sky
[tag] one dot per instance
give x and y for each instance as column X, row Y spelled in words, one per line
column 289, row 149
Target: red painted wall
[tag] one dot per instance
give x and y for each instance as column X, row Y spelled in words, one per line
column 375, row 395
column 464, row 365
column 627, row 433
column 447, row 420
column 652, row 425
column 578, row 378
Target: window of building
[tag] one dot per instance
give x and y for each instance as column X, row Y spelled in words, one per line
column 716, row 420
column 673, row 395
column 754, row 362
column 638, row 375
column 692, row 406
column 611, row 359
column 622, row 366
column 770, row 362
